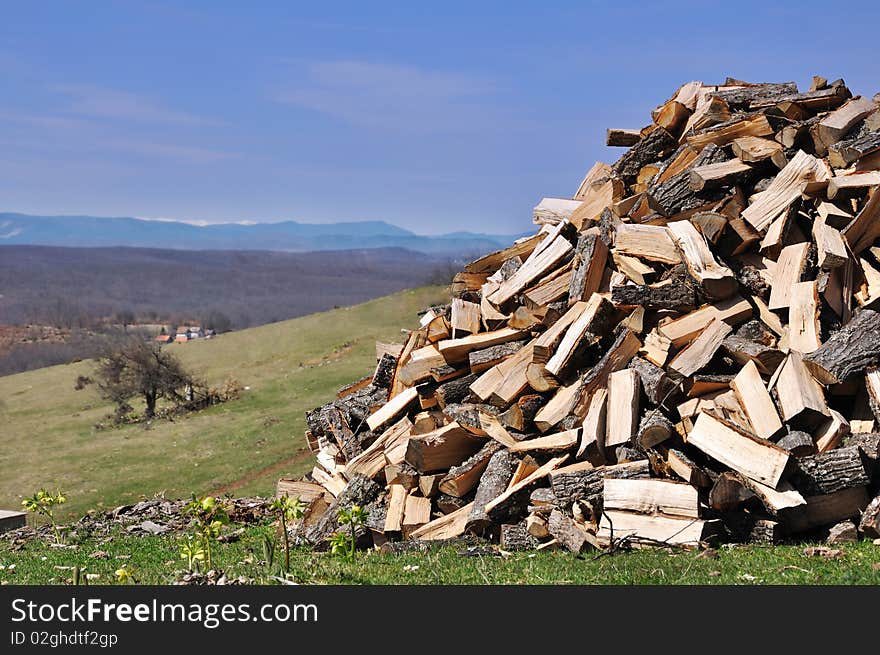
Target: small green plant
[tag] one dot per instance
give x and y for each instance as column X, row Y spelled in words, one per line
column 44, row 503
column 289, row 509
column 210, row 516
column 268, row 551
column 125, row 575
column 193, row 552
column 354, row 517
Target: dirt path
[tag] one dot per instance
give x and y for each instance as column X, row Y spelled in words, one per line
column 277, row 467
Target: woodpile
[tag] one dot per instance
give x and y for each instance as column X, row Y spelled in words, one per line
column 687, row 349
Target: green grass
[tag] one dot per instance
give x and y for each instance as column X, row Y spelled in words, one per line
column 154, row 560
column 48, row 438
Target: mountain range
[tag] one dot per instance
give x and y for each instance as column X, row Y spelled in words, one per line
column 287, row 236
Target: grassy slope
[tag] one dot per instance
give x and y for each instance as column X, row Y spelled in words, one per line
column 47, row 436
column 154, row 560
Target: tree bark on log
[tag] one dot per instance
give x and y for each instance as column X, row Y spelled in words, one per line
column 870, row 523
column 516, row 537
column 648, row 150
column 798, row 443
column 679, row 297
column 360, row 490
column 825, row 473
column 655, row 383
column 493, row 483
column 849, row 351
column 653, row 429
column 455, row 391
column 464, row 477
column 585, row 486
column 567, row 532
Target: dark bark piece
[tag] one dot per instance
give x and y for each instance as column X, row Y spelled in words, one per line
column 455, row 391
column 653, row 429
column 870, row 523
column 384, row 375
column 516, row 537
column 728, row 492
column 655, row 383
column 766, row 358
column 468, row 415
column 648, row 150
column 825, row 473
column 798, row 443
column 745, row 527
column 336, row 426
column 448, row 504
column 542, row 500
column 756, row 331
column 493, row 483
column 849, row 351
column 675, row 195
column 480, row 360
column 567, row 532
column 679, row 297
column 463, row 478
column 360, row 490
column 743, row 98
column 586, row 486
column 867, row 442
column 842, row 533
column 844, row 153
column 588, row 265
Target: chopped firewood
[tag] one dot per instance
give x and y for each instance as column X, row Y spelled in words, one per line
column 568, row 533
column 789, row 268
column 826, row 509
column 721, row 173
column 698, row 274
column 756, row 402
column 588, row 267
column 682, row 466
column 466, row 317
column 456, row 350
column 464, row 477
column 755, row 458
column 622, row 138
column 446, row 447
column 623, row 407
column 800, row 397
column 685, row 329
column 870, row 523
column 649, row 242
column 770, row 204
column 803, row 318
column 851, row 350
column 752, row 149
column 642, row 529
column 561, row 441
column 833, row 127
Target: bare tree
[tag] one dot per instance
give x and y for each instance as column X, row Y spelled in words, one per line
column 141, row 369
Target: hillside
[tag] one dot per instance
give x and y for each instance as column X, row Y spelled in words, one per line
column 94, row 231
column 48, row 436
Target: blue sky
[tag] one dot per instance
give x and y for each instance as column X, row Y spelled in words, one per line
column 433, row 116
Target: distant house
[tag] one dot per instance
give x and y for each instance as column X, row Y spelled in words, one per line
column 195, row 332
column 181, row 338
column 164, row 338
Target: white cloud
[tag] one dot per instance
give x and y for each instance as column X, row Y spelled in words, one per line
column 101, row 102
column 390, row 96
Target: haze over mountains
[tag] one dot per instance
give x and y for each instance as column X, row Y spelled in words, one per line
column 289, row 236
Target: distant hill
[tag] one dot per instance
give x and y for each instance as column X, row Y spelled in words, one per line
column 290, row 236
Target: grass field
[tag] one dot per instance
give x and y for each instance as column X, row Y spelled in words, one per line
column 154, row 560
column 48, row 438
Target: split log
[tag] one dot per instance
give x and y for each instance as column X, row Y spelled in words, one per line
column 483, row 360
column 552, row 443
column 844, row 153
column 767, row 206
column 826, row 509
column 680, row 331
column 568, row 533
column 649, row 242
column 686, row 469
column 623, row 407
column 798, row 443
column 719, row 174
column 463, row 478
column 790, row 268
column 648, row 149
column 654, row 429
column 572, row 485
column 594, row 322
column 446, row 527
column 800, row 397
column 651, row 496
column 622, row 138
column 834, row 127
column 360, row 490
column 826, row 473
column 588, row 265
column 456, row 350
column 701, row 351
column 870, row 523
column 493, row 483
column 649, row 530
column 849, row 351
column 803, row 318
column 441, row 449
column 755, row 458
column 654, row 381
column 516, row 537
